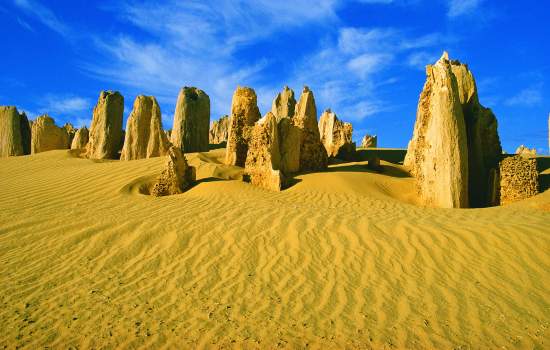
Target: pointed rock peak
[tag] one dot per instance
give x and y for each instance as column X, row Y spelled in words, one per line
column 445, row 56
column 306, row 89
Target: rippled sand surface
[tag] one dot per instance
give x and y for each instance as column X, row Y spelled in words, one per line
column 342, row 259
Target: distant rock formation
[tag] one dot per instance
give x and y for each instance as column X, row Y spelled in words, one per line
column 80, row 139
column 518, row 179
column 336, row 136
column 46, row 136
column 284, row 104
column 176, row 177
column 71, row 131
column 191, row 120
column 313, row 155
column 438, row 152
column 145, row 137
column 455, row 144
column 369, row 141
column 289, row 146
column 14, row 132
column 522, row 150
column 264, row 158
column 168, row 134
column 244, row 113
column 219, row 130
column 106, row 136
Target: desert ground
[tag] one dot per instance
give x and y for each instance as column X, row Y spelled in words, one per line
column 344, row 258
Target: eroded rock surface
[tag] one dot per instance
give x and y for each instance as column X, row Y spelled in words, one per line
column 455, row 144
column 46, row 136
column 336, row 136
column 244, row 113
column 191, row 120
column 284, row 104
column 80, row 139
column 522, row 150
column 176, row 177
column 263, row 162
column 106, row 136
column 313, row 155
column 219, row 130
column 145, row 137
column 369, row 141
column 518, row 179
column 14, row 132
column 437, row 155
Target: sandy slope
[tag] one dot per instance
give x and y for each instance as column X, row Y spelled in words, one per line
column 341, row 259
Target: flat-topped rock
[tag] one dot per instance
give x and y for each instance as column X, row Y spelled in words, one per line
column 14, row 132
column 106, row 137
column 191, row 120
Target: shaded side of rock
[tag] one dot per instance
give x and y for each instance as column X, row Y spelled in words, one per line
column 219, row 130
column 244, row 113
column 71, row 132
column 264, row 159
column 25, row 128
column 369, row 141
column 105, row 137
column 284, row 104
column 176, row 177
column 190, row 131
column 313, row 155
column 437, row 155
column 80, row 139
column 336, row 136
column 46, row 136
column 11, row 138
column 484, row 149
column 145, row 137
column 518, row 179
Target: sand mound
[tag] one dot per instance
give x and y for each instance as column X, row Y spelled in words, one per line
column 338, row 260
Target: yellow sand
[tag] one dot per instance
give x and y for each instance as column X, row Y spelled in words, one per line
column 343, row 259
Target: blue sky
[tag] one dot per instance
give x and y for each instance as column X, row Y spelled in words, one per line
column 364, row 59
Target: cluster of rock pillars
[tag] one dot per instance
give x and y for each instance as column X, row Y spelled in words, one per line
column 455, row 153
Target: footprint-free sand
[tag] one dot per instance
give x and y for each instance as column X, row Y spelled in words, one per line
column 342, row 259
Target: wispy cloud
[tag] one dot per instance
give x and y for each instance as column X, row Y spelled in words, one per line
column 197, row 43
column 64, row 105
column 462, row 7
column 43, row 14
column 345, row 73
column 420, row 59
column 528, row 97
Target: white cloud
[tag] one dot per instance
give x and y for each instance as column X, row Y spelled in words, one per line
column 43, row 14
column 421, row 59
column 345, row 74
column 462, row 7
column 527, row 97
column 65, row 105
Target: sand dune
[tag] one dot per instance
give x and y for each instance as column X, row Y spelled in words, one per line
column 342, row 259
